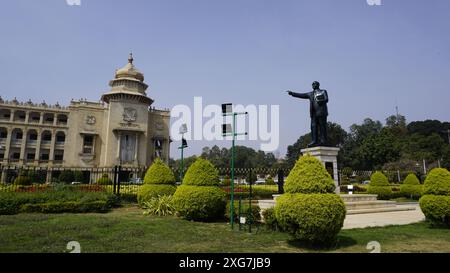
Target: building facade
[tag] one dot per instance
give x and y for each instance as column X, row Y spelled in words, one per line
column 123, row 129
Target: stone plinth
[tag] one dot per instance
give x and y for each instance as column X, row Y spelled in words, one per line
column 328, row 156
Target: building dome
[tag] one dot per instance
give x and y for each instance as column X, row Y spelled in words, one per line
column 128, row 83
column 130, row 71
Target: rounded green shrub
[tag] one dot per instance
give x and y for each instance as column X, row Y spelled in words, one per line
column 149, row 191
column 202, row 173
column 310, row 210
column 379, row 185
column 159, row 173
column 313, row 218
column 436, row 209
column 199, row 203
column 104, row 180
column 270, row 181
column 411, row 187
column 159, row 181
column 22, row 181
column 435, row 203
column 309, row 176
column 437, row 182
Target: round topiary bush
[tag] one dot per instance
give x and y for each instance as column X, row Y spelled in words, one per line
column 435, row 203
column 309, row 176
column 199, row 198
column 22, row 181
column 411, row 187
column 199, row 203
column 270, row 181
column 104, row 180
column 159, row 173
column 314, row 218
column 149, row 191
column 202, row 173
column 310, row 210
column 437, row 182
column 436, row 209
column 379, row 185
column 159, row 180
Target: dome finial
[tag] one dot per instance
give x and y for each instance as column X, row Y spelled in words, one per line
column 130, row 58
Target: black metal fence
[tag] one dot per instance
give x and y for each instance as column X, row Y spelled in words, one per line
column 126, row 182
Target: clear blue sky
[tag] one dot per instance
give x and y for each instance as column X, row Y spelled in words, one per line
column 241, row 51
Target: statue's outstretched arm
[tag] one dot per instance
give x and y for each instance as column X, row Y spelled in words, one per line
column 299, row 95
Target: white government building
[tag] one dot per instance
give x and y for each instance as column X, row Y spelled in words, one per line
column 122, row 129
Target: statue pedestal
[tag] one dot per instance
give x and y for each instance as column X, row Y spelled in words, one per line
column 328, row 156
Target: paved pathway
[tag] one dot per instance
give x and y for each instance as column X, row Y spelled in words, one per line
column 384, row 218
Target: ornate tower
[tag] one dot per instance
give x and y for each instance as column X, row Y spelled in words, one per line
column 126, row 126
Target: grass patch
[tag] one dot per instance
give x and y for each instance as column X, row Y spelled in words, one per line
column 127, row 230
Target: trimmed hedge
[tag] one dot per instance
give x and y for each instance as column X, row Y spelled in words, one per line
column 62, row 207
column 104, row 180
column 310, row 210
column 202, row 173
column 270, row 220
column 149, row 191
column 379, row 185
column 437, row 182
column 309, row 176
column 159, row 173
column 159, row 181
column 313, row 218
column 411, row 187
column 435, row 204
column 16, row 202
column 436, row 209
column 22, row 181
column 199, row 203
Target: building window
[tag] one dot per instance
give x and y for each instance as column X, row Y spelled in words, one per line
column 3, row 134
column 88, row 144
column 19, row 135
column 45, row 156
column 33, row 136
column 16, row 156
column 59, row 157
column 31, row 156
column 60, row 138
column 2, row 155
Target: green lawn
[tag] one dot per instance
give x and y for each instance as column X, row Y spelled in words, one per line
column 127, row 230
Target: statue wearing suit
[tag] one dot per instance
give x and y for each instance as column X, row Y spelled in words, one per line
column 318, row 99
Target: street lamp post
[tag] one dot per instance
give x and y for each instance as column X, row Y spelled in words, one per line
column 230, row 130
column 183, row 130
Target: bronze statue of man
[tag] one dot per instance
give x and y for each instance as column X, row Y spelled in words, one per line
column 318, row 99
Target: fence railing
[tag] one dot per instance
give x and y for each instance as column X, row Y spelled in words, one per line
column 126, row 181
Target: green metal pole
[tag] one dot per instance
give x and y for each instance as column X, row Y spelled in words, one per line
column 182, row 164
column 232, row 172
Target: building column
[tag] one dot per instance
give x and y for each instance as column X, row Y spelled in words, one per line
column 48, row 178
column 38, row 146
column 41, row 118
column 119, row 141
column 11, row 118
column 136, row 150
column 23, row 145
column 8, row 143
column 27, row 117
column 3, row 175
column 52, row 147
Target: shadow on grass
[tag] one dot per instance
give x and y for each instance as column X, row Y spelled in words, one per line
column 341, row 242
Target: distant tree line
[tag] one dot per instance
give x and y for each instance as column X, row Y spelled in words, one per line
column 395, row 145
column 371, row 145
